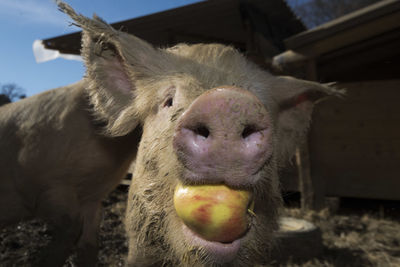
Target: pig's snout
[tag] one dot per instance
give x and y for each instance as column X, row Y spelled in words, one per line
column 224, row 137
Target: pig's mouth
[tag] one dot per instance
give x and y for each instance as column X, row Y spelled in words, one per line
column 219, row 252
column 215, row 218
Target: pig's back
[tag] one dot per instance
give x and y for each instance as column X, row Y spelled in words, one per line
column 45, row 140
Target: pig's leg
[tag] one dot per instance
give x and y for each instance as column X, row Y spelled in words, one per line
column 88, row 241
column 60, row 208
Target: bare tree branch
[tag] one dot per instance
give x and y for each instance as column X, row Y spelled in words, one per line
column 12, row 91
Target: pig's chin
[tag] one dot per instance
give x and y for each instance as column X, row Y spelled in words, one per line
column 216, row 251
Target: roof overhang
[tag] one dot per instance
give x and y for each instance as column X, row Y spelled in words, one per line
column 369, row 35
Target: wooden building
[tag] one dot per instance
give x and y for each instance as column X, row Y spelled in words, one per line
column 353, row 148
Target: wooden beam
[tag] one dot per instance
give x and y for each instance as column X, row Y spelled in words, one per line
column 311, row 187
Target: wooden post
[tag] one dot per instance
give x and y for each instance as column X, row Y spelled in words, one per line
column 305, row 183
column 311, row 188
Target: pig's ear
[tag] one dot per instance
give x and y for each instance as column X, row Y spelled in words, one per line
column 296, row 99
column 115, row 62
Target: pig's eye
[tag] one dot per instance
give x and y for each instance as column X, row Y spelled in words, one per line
column 169, row 102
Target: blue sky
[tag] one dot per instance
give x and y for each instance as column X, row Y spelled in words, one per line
column 23, row 21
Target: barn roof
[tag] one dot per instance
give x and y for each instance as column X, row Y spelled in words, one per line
column 357, row 26
column 230, row 22
column 361, row 45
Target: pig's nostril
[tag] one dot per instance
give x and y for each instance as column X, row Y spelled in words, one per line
column 169, row 102
column 202, row 131
column 248, row 130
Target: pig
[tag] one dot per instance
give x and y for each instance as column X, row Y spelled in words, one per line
column 198, row 114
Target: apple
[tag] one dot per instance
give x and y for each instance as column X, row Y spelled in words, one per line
column 214, row 212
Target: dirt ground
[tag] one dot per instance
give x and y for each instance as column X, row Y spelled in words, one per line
column 358, row 233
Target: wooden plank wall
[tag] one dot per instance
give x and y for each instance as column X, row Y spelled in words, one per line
column 355, row 142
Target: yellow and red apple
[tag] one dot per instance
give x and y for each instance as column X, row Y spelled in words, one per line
column 214, row 212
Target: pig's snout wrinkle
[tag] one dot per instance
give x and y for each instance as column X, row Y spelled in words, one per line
column 224, row 136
